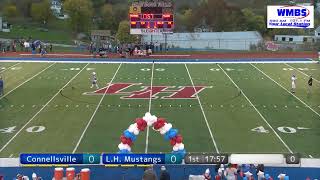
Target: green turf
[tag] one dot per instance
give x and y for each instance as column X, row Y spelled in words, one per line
column 230, row 116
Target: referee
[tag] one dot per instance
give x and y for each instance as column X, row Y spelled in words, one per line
column 1, row 86
column 310, row 81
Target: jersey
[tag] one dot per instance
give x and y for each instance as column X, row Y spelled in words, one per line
column 310, row 82
column 94, row 79
column 1, row 83
column 293, row 83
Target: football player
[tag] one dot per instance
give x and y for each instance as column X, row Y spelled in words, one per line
column 94, row 80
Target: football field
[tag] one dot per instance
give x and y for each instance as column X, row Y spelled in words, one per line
column 225, row 108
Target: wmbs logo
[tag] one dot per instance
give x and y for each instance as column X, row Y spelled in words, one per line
column 298, row 12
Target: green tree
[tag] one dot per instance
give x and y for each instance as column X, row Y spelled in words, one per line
column 123, row 35
column 254, row 22
column 10, row 11
column 80, row 12
column 108, row 19
column 41, row 12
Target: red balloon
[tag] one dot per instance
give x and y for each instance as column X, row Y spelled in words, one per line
column 172, row 142
column 129, row 142
column 179, row 138
column 159, row 123
column 123, row 139
column 141, row 124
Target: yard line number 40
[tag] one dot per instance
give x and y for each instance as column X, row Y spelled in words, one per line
column 32, row 129
column 286, row 130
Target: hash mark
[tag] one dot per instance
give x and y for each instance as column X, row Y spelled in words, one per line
column 221, row 106
column 297, row 106
column 67, row 105
column 11, row 105
column 87, row 106
column 310, row 156
column 77, row 105
column 56, row 105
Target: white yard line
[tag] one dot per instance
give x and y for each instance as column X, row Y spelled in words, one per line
column 203, row 113
column 9, row 67
column 310, row 156
column 301, row 72
column 26, row 81
column 150, row 100
column 43, row 107
column 286, row 90
column 95, row 111
column 262, row 117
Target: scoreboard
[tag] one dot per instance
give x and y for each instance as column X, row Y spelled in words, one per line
column 155, row 17
column 144, row 159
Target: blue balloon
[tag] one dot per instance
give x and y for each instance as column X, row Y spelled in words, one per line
column 166, row 136
column 172, row 133
column 286, row 178
column 129, row 135
column 180, row 152
column 124, row 151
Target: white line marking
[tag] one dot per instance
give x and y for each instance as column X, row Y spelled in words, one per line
column 95, row 111
column 10, row 155
column 302, row 72
column 264, row 119
column 286, row 90
column 150, row 100
column 41, row 109
column 204, row 115
column 9, row 67
column 26, row 81
column 310, row 156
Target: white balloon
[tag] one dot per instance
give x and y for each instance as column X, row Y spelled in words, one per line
column 181, row 146
column 121, row 146
column 162, row 131
column 131, row 128
column 136, row 132
column 175, row 148
column 167, row 126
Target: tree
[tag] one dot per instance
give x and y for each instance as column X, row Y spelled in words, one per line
column 10, row 11
column 254, row 22
column 123, row 35
column 80, row 12
column 108, row 19
column 41, row 12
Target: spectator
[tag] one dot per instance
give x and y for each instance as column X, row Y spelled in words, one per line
column 260, row 175
column 268, row 177
column 207, row 175
column 164, row 175
column 149, row 174
column 219, row 176
column 34, row 176
column 26, row 46
column 281, row 176
column 248, row 175
column 50, row 47
column 1, row 86
column 260, row 167
column 230, row 172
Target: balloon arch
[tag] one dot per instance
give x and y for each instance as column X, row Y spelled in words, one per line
column 157, row 124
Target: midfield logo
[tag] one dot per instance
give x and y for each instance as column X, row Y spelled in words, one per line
column 172, row 92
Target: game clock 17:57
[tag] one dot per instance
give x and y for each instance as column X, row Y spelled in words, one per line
column 206, row 158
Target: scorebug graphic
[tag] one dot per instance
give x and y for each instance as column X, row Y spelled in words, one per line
column 290, row 16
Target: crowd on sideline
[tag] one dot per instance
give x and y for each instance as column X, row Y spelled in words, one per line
column 222, row 172
column 25, row 45
column 125, row 50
